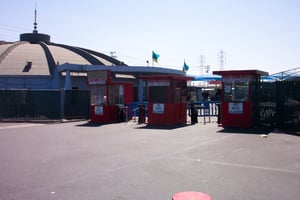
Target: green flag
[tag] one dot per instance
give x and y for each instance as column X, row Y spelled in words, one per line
column 185, row 67
column 155, row 57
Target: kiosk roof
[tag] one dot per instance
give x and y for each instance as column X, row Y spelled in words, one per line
column 241, row 72
column 165, row 77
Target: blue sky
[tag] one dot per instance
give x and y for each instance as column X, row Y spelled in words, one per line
column 257, row 34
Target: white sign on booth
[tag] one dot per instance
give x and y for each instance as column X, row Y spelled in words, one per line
column 235, row 108
column 98, row 110
column 158, row 108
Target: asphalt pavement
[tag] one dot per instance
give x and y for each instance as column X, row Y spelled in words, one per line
column 127, row 161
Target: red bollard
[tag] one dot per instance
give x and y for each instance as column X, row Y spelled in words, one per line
column 191, row 196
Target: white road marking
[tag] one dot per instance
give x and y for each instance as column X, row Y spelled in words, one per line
column 243, row 165
column 18, row 126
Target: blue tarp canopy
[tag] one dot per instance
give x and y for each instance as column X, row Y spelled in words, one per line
column 284, row 75
column 280, row 76
column 207, row 77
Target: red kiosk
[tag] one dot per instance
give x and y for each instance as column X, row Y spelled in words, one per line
column 167, row 99
column 239, row 100
column 109, row 97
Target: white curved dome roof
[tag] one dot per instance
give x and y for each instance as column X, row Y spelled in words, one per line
column 35, row 56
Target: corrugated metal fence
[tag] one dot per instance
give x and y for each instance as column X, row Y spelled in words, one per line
column 279, row 105
column 27, row 105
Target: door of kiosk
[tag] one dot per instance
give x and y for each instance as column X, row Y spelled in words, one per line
column 108, row 97
column 239, row 100
column 167, row 99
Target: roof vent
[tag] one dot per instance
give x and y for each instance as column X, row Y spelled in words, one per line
column 27, row 66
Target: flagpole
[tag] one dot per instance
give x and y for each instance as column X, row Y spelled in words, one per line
column 152, row 59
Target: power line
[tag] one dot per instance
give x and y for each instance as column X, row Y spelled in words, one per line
column 12, row 28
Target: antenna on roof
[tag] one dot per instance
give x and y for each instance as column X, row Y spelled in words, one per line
column 35, row 37
column 35, row 23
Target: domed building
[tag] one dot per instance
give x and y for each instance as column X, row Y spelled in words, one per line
column 40, row 79
column 31, row 63
column 32, row 87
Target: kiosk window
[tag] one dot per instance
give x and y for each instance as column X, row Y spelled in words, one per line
column 158, row 94
column 116, row 94
column 236, row 91
column 98, row 95
column 176, row 96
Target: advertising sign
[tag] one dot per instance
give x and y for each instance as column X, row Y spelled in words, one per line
column 97, row 77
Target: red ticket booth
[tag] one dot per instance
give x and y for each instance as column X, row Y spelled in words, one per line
column 109, row 97
column 167, row 99
column 239, row 99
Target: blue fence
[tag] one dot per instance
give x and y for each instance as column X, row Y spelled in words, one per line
column 134, row 109
column 206, row 109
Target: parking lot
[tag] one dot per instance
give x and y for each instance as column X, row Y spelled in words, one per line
column 79, row 160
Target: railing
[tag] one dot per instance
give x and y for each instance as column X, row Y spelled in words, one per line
column 134, row 109
column 206, row 109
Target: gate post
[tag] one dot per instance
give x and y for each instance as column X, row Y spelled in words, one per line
column 62, row 104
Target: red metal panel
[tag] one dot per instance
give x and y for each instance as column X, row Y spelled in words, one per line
column 174, row 113
column 109, row 114
column 243, row 120
column 128, row 93
column 239, row 113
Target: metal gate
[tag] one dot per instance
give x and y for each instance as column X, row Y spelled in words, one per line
column 278, row 105
column 266, row 111
column 288, row 103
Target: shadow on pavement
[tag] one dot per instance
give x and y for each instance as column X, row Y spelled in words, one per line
column 163, row 127
column 295, row 133
column 246, row 131
column 90, row 124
